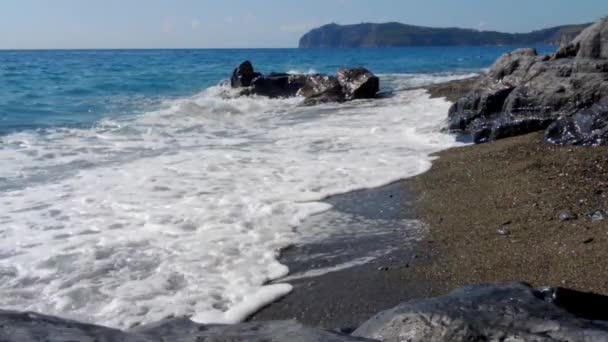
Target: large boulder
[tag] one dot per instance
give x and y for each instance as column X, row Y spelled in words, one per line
column 510, row 312
column 358, row 83
column 243, row 75
column 524, row 92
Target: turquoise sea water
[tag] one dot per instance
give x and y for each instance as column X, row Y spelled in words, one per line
column 135, row 186
column 70, row 87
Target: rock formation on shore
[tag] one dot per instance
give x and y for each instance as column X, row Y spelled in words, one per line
column 508, row 312
column 524, row 92
column 349, row 84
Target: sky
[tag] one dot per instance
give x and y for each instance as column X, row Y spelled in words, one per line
column 64, row 24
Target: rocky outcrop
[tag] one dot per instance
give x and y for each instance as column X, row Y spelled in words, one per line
column 350, row 84
column 30, row 327
column 511, row 312
column 524, row 92
column 587, row 127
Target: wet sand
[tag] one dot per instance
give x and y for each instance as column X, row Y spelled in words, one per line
column 375, row 227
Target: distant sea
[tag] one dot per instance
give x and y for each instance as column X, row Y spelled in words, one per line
column 134, row 185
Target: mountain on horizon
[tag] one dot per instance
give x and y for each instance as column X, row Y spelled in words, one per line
column 393, row 34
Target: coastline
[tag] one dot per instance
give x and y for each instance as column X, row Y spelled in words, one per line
column 374, row 286
column 509, row 224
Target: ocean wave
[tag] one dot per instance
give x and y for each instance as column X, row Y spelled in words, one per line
column 181, row 210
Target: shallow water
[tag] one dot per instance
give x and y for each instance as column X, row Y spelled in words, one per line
column 159, row 200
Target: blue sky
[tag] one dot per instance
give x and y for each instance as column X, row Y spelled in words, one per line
column 257, row 23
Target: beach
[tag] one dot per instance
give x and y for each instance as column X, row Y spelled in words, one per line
column 517, row 209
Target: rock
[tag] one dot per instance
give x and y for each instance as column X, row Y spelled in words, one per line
column 523, row 92
column 243, row 75
column 593, row 42
column 184, row 330
column 358, row 83
column 587, row 127
column 509, row 312
column 567, row 216
column 350, row 84
column 503, row 231
column 276, row 85
column 30, row 327
column 597, row 216
column 320, row 89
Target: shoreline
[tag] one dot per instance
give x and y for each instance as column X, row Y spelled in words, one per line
column 376, row 285
column 523, row 239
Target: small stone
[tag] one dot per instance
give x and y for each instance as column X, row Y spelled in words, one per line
column 504, row 231
column 567, row 216
column 597, row 216
column 383, row 268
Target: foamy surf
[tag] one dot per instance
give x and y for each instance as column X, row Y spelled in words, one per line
column 181, row 211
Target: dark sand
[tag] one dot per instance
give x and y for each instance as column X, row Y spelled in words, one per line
column 518, row 186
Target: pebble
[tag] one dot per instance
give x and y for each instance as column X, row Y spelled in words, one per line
column 503, row 231
column 567, row 216
column 597, row 216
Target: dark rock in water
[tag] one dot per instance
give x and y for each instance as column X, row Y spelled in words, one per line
column 358, row 83
column 586, row 127
column 320, row 89
column 243, row 75
column 276, row 85
column 318, row 84
column 30, row 327
column 350, row 84
column 511, row 312
column 524, row 92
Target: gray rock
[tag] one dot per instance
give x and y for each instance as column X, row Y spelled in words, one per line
column 524, row 92
column 358, row 83
column 587, row 127
column 510, row 312
column 184, row 330
column 31, row 327
column 593, row 42
column 597, row 216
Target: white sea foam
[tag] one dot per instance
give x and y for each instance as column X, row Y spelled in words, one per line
column 181, row 211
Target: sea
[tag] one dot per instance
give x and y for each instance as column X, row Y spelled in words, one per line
column 135, row 185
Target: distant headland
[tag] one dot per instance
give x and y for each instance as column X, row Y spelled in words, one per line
column 367, row 35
